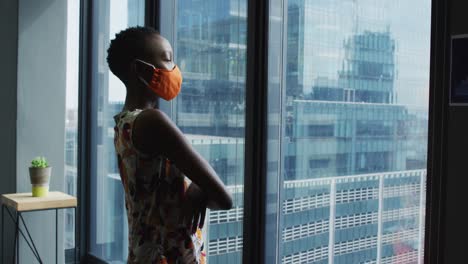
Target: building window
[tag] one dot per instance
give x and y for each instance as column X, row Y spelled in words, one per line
column 349, row 186
column 210, row 109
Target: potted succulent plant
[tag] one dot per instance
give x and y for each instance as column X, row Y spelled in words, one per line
column 39, row 173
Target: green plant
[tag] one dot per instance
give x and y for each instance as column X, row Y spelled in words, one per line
column 39, row 162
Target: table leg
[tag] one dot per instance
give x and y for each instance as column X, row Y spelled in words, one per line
column 14, row 242
column 3, row 220
column 32, row 246
column 75, row 240
column 17, row 237
column 56, row 236
column 17, row 230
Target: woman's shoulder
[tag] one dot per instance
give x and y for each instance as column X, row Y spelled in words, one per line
column 154, row 131
column 153, row 115
column 153, row 122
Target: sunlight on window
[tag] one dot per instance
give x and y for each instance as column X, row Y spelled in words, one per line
column 71, row 122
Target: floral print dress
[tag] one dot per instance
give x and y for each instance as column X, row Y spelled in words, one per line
column 154, row 191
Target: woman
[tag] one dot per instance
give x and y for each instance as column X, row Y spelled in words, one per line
column 165, row 208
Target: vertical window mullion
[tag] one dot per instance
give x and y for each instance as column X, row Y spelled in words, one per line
column 437, row 147
column 83, row 171
column 255, row 137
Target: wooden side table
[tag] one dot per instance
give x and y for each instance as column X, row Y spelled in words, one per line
column 25, row 202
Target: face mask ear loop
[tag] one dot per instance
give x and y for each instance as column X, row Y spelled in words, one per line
column 143, row 81
column 141, row 78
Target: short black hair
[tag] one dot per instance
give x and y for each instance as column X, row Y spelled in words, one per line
column 128, row 44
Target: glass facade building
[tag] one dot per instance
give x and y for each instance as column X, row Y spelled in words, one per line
column 210, row 47
column 349, row 170
column 353, row 132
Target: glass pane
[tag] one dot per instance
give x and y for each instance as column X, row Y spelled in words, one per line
column 71, row 122
column 210, row 48
column 348, row 117
column 108, row 230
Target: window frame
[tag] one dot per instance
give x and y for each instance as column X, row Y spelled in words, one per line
column 256, row 132
column 84, row 112
column 437, row 135
column 256, row 128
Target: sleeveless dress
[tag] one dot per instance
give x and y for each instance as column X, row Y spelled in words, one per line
column 154, row 192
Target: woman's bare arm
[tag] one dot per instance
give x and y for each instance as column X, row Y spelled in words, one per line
column 154, row 133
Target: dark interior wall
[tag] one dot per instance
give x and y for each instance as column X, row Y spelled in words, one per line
column 456, row 218
column 8, row 85
column 8, row 76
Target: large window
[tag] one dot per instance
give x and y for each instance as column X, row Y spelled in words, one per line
column 348, row 85
column 71, row 121
column 348, row 117
column 108, row 231
column 210, row 47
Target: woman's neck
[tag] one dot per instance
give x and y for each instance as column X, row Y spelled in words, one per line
column 138, row 101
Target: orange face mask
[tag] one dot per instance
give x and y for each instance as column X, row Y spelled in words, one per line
column 164, row 83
